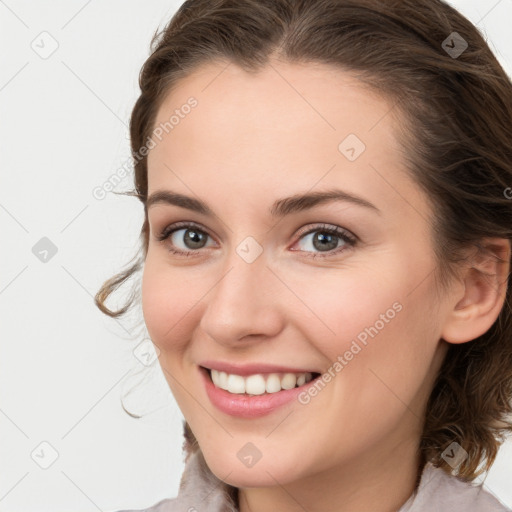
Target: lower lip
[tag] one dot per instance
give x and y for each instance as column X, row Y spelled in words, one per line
column 248, row 406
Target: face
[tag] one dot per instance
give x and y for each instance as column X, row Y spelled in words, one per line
column 252, row 283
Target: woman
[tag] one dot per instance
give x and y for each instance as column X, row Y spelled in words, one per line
column 326, row 252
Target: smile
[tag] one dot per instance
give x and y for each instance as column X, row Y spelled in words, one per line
column 253, row 394
column 258, row 384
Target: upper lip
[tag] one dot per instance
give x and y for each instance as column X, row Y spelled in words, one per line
column 251, row 368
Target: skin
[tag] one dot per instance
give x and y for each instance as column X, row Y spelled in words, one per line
column 253, row 139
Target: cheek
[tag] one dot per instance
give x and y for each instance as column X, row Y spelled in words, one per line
column 340, row 306
column 368, row 331
column 169, row 303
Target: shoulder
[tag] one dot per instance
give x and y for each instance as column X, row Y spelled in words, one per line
column 441, row 492
column 168, row 505
column 200, row 491
column 182, row 504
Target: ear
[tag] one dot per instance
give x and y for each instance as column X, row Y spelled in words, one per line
column 479, row 301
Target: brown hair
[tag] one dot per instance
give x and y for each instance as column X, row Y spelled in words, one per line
column 456, row 121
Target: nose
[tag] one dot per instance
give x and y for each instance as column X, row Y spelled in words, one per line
column 244, row 304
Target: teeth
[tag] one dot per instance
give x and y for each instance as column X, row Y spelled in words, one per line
column 223, row 380
column 236, row 383
column 288, row 381
column 273, row 384
column 258, row 384
column 255, row 385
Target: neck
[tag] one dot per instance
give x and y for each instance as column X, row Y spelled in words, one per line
column 381, row 483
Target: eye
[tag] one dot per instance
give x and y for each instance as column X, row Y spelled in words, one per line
column 185, row 238
column 326, row 239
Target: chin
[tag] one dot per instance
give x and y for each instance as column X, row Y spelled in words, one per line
column 252, row 477
column 264, row 473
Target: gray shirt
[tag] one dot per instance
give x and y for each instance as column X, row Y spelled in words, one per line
column 201, row 491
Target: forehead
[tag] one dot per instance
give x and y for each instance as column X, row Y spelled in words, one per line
column 288, row 126
column 304, row 103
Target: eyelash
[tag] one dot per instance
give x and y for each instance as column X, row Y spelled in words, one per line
column 349, row 239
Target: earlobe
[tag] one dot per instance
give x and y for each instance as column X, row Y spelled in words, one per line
column 485, row 283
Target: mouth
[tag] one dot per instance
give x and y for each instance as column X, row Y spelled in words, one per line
column 258, row 383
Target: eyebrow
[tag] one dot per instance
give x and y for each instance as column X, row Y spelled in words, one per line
column 280, row 208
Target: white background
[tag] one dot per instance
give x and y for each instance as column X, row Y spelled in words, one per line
column 63, row 365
